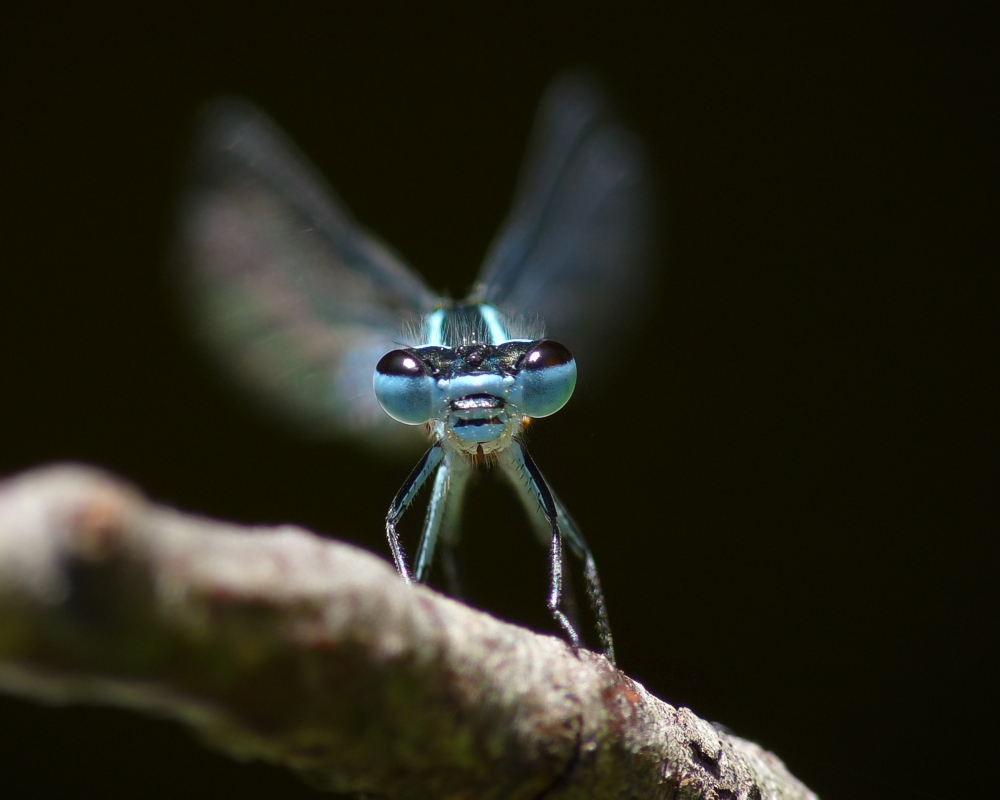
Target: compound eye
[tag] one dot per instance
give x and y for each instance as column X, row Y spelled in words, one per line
column 404, row 387
column 548, row 377
column 401, row 364
column 545, row 355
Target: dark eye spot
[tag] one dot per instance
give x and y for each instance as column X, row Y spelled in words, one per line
column 546, row 354
column 401, row 363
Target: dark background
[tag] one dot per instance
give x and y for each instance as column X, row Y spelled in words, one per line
column 787, row 479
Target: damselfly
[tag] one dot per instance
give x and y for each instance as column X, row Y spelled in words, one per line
column 310, row 309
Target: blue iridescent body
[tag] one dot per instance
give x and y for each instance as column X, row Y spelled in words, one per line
column 333, row 330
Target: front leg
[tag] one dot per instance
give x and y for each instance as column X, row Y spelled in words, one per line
column 556, row 587
column 579, row 548
column 523, row 470
column 430, row 461
column 443, row 514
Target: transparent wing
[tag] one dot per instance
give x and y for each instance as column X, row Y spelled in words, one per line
column 576, row 247
column 296, row 299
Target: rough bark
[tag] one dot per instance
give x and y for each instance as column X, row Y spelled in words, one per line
column 274, row 643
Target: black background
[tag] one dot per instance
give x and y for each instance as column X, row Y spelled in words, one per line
column 786, row 478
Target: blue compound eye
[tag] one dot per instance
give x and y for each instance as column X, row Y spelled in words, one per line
column 404, row 387
column 548, row 377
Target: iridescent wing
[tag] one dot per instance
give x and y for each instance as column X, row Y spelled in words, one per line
column 576, row 247
column 297, row 300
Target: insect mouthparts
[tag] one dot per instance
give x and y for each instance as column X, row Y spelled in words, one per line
column 473, row 402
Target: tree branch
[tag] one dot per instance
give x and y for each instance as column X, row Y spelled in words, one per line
column 274, row 643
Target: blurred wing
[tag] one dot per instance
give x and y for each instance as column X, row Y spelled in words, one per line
column 296, row 299
column 576, row 247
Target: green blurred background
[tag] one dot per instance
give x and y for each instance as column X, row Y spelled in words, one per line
column 785, row 479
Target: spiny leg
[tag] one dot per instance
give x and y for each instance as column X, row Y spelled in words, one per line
column 460, row 470
column 443, row 512
column 432, row 522
column 427, row 464
column 556, row 588
column 527, row 476
column 594, row 592
column 569, row 603
column 524, row 483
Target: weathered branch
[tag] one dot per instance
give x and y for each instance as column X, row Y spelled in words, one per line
column 278, row 644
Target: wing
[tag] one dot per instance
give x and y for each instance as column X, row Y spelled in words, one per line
column 297, row 301
column 576, row 247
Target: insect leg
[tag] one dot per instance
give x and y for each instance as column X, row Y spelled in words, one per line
column 432, row 523
column 427, row 464
column 581, row 551
column 443, row 511
column 451, row 523
column 522, row 469
column 569, row 599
